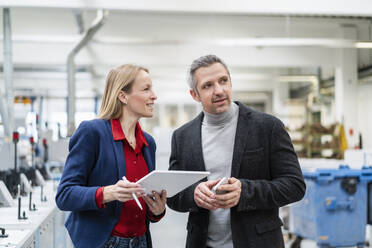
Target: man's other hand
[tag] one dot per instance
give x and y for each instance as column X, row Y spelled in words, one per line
column 204, row 197
column 231, row 197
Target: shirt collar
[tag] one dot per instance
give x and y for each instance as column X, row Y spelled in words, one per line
column 118, row 134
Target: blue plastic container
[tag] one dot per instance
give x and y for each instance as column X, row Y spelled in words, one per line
column 333, row 211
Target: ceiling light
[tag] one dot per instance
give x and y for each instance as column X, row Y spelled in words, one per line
column 298, row 78
column 363, row 44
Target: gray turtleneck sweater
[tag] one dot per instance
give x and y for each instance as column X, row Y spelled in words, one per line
column 218, row 136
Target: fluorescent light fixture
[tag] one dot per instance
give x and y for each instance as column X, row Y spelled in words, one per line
column 285, row 42
column 238, row 41
column 298, row 78
column 363, row 44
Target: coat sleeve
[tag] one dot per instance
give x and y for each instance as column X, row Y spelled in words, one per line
column 183, row 201
column 286, row 185
column 73, row 194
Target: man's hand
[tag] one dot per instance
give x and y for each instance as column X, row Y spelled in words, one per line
column 232, row 197
column 204, row 197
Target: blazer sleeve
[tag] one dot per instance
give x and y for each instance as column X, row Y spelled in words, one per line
column 73, row 194
column 286, row 185
column 183, row 201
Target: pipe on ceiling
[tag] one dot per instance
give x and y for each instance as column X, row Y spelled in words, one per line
column 71, row 86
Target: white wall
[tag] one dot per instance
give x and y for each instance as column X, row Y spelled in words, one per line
column 365, row 114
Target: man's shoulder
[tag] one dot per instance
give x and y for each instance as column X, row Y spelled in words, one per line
column 256, row 116
column 191, row 125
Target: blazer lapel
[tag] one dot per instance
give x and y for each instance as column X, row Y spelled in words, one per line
column 120, row 159
column 196, row 143
column 120, row 162
column 147, row 156
column 118, row 152
column 241, row 138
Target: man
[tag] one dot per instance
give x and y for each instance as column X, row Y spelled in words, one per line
column 251, row 148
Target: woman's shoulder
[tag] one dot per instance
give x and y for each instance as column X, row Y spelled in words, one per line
column 95, row 125
column 91, row 131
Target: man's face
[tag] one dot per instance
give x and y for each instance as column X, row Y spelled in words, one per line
column 213, row 88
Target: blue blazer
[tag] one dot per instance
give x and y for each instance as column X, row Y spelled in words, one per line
column 95, row 160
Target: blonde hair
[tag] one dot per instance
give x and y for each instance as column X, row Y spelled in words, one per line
column 118, row 79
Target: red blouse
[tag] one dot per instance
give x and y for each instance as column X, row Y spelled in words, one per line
column 132, row 222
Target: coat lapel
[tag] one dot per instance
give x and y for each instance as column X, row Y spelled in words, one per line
column 120, row 159
column 118, row 152
column 147, row 156
column 197, row 149
column 241, row 138
column 120, row 162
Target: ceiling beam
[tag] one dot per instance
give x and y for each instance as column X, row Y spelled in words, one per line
column 267, row 7
column 222, row 42
column 178, row 55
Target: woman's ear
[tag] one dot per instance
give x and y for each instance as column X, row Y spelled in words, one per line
column 123, row 97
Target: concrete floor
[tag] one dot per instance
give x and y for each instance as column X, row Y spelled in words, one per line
column 171, row 232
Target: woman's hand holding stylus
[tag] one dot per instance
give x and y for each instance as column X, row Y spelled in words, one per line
column 121, row 191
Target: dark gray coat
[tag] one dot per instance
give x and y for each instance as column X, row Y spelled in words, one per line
column 267, row 166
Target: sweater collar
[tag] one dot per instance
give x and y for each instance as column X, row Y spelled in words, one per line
column 221, row 119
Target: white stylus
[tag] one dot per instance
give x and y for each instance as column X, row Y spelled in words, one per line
column 133, row 194
column 218, row 184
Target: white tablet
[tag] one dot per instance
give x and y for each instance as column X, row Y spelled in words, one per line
column 172, row 181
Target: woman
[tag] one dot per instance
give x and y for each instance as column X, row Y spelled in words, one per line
column 102, row 151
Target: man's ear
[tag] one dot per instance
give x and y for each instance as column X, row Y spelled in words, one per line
column 194, row 95
column 123, row 97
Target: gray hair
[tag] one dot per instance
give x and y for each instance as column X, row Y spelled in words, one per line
column 203, row 61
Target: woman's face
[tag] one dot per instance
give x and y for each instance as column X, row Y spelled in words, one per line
column 141, row 98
